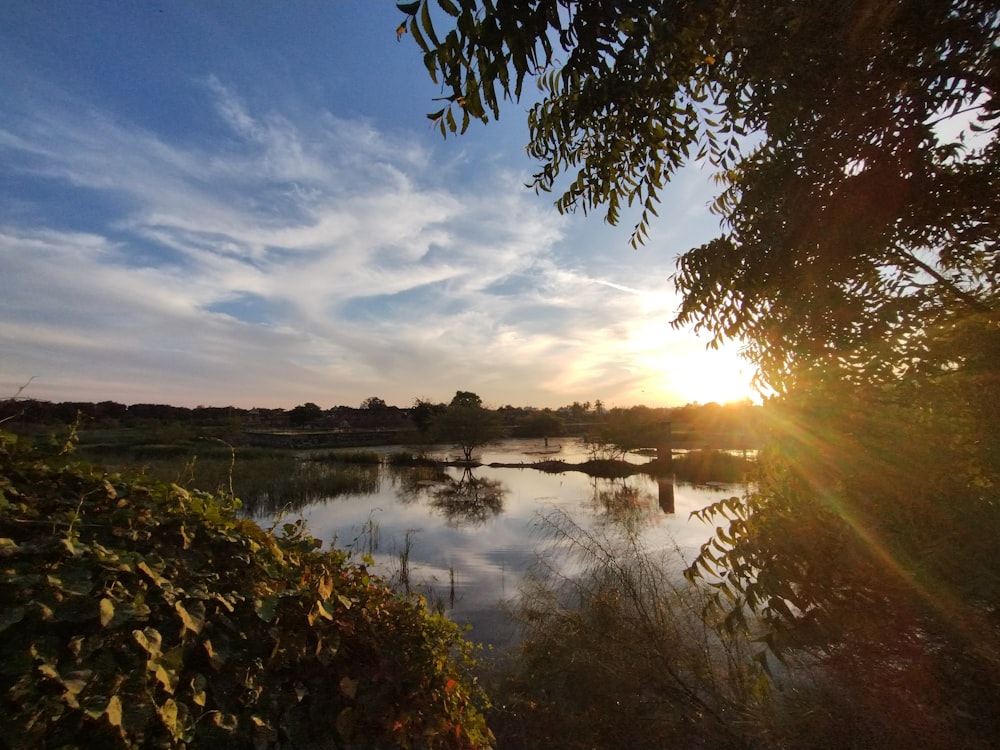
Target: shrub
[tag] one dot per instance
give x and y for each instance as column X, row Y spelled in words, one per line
column 137, row 613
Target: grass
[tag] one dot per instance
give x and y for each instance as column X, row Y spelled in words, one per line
column 617, row 653
column 266, row 481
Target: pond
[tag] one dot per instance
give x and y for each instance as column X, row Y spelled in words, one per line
column 465, row 539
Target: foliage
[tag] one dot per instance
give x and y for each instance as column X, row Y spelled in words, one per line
column 709, row 465
column 268, row 481
column 855, row 149
column 466, row 398
column 539, row 424
column 140, row 614
column 304, row 414
column 625, row 430
column 870, row 541
column 373, row 402
column 423, row 413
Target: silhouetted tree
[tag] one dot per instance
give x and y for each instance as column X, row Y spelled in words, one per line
column 304, row 414
column 466, row 423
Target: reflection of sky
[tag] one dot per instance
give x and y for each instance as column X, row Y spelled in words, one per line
column 490, row 557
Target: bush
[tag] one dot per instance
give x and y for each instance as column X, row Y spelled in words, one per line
column 137, row 613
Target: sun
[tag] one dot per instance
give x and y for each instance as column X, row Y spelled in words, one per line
column 721, row 382
column 693, row 375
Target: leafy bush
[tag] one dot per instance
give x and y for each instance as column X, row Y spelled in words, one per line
column 138, row 613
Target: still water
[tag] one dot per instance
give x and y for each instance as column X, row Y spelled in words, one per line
column 468, row 539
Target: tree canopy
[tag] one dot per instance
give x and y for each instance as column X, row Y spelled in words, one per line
column 857, row 162
column 854, row 147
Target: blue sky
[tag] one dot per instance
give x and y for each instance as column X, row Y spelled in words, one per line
column 242, row 203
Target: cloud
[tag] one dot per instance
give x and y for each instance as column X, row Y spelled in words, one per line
column 274, row 261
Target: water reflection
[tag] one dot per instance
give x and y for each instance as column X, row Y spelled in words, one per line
column 292, row 484
column 623, row 502
column 470, row 500
column 470, row 537
column 665, row 488
column 412, row 483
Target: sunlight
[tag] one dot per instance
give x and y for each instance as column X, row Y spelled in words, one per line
column 719, row 379
column 715, row 376
column 683, row 372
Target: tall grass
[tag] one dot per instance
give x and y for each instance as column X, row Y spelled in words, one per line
column 618, row 651
column 266, row 481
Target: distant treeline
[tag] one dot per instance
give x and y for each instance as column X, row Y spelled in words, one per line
column 740, row 418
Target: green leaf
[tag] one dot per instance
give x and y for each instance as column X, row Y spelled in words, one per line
column 448, row 7
column 8, row 547
column 198, row 690
column 114, row 711
column 266, row 608
column 150, row 639
column 10, row 616
column 107, row 610
column 349, row 687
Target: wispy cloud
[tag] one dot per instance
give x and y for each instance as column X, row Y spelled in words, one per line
column 284, row 261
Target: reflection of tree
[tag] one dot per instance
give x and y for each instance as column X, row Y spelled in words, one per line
column 469, row 501
column 414, row 482
column 619, row 502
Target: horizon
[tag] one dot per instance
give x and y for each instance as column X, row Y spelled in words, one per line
column 591, row 407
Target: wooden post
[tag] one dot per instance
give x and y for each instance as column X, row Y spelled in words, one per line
column 664, row 451
column 666, row 495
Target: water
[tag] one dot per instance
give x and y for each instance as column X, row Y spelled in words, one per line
column 468, row 540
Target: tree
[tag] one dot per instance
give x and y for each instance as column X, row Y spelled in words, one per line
column 304, row 414
column 855, row 150
column 540, row 424
column 466, row 398
column 466, row 423
column 856, row 153
column 373, row 402
column 423, row 413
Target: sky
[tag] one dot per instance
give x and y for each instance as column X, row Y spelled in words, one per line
column 242, row 202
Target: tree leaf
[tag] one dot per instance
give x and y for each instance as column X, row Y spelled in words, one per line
column 114, row 711
column 107, row 610
column 266, row 607
column 192, row 615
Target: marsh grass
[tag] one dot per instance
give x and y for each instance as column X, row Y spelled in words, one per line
column 266, row 481
column 618, row 651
